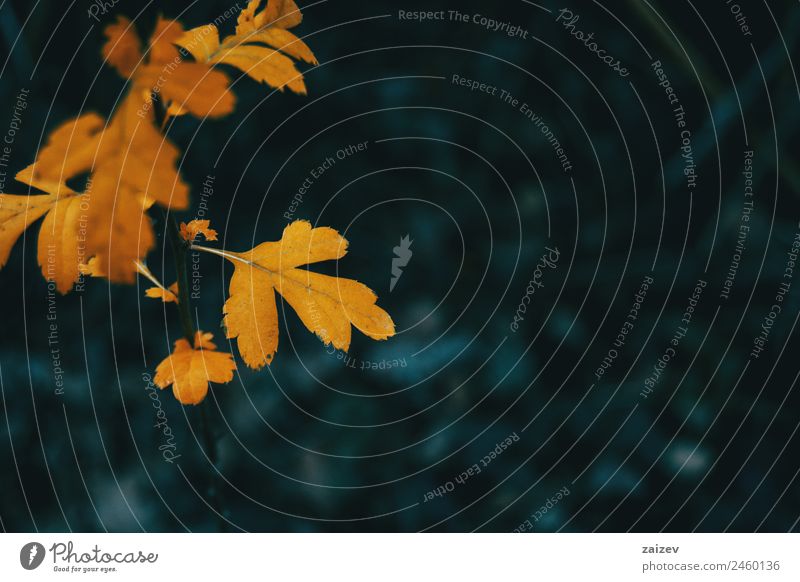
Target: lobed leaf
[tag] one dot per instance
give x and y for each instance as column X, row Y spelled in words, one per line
column 328, row 306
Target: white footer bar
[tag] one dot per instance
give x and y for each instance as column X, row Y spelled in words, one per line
column 399, row 557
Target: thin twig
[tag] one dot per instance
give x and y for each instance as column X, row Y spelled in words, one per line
column 179, row 249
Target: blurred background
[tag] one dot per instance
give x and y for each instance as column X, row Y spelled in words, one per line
column 389, row 437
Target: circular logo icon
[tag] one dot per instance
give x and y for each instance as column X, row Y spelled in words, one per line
column 31, row 555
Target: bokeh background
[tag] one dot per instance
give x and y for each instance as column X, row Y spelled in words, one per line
column 314, row 442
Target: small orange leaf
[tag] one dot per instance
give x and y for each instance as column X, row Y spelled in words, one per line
column 168, row 295
column 190, row 231
column 189, row 370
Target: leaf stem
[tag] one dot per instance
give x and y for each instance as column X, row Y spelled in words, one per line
column 179, row 247
column 231, row 257
column 148, row 274
column 220, row 253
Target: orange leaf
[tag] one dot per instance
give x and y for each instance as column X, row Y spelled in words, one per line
column 168, row 295
column 123, row 51
column 245, row 51
column 328, row 306
column 189, row 370
column 133, row 166
column 193, row 87
column 190, row 231
column 162, row 42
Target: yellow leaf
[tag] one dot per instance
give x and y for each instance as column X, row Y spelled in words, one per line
column 190, row 231
column 132, row 167
column 192, row 87
column 285, row 41
column 328, row 306
column 201, row 42
column 190, row 370
column 121, row 232
column 244, row 49
column 265, row 66
column 145, row 159
column 168, row 295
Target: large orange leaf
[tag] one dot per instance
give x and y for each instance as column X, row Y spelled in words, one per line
column 70, row 151
column 328, row 306
column 132, row 166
